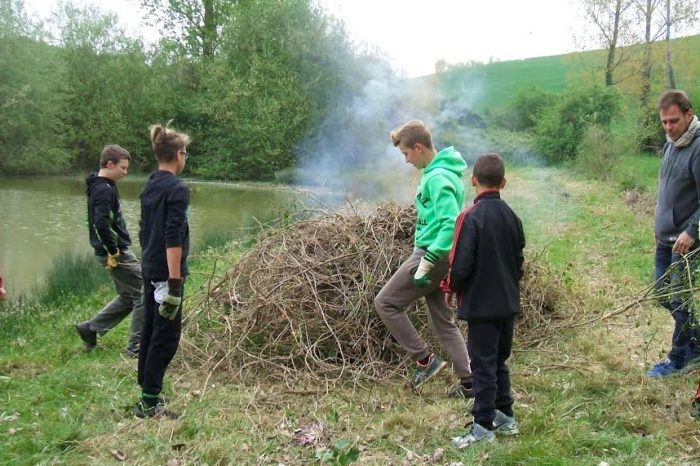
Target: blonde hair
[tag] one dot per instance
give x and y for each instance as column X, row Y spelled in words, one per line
column 412, row 133
column 166, row 142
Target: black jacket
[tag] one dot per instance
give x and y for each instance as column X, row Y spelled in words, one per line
column 164, row 203
column 105, row 220
column 486, row 261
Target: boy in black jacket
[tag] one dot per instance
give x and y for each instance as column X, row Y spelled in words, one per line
column 111, row 241
column 486, row 264
column 165, row 239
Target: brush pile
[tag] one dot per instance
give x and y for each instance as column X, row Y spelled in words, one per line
column 302, row 299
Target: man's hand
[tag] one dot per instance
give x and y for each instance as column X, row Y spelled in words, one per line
column 171, row 304
column 683, row 243
column 451, row 300
column 112, row 261
column 3, row 293
column 421, row 278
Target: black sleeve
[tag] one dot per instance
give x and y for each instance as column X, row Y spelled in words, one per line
column 176, row 216
column 521, row 253
column 465, row 254
column 102, row 218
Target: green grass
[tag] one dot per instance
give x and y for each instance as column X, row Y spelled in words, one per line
column 581, row 397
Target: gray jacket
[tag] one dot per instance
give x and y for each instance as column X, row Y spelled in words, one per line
column 678, row 204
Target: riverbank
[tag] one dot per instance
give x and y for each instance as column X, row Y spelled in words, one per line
column 581, row 396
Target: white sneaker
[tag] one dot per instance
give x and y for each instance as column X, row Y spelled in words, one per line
column 477, row 433
column 505, row 425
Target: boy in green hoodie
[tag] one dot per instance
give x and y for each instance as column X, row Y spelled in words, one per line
column 439, row 200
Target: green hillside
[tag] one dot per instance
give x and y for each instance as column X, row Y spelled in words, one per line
column 494, row 85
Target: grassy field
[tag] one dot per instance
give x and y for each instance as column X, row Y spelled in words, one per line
column 581, row 396
column 495, row 85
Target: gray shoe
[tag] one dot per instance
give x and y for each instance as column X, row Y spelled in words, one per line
column 505, row 425
column 458, row 391
column 88, row 335
column 427, row 372
column 692, row 364
column 476, row 434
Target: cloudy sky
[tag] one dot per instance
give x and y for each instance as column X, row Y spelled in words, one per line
column 414, row 34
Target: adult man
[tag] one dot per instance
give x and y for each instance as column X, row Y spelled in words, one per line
column 111, row 241
column 438, row 201
column 676, row 227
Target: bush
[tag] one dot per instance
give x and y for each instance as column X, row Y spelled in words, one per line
column 598, row 153
column 650, row 135
column 528, row 107
column 561, row 128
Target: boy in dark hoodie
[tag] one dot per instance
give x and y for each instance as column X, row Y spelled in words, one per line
column 111, row 241
column 486, row 264
column 165, row 239
column 439, row 199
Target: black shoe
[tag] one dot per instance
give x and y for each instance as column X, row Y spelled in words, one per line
column 88, row 335
column 131, row 353
column 143, row 410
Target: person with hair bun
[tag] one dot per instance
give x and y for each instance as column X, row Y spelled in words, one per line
column 164, row 237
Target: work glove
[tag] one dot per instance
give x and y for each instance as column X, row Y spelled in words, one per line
column 421, row 278
column 171, row 304
column 112, row 262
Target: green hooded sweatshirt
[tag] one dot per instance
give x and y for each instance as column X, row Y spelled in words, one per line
column 439, row 200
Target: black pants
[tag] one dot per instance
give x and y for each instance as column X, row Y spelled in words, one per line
column 159, row 341
column 489, row 344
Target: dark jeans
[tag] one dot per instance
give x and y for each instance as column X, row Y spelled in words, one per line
column 685, row 343
column 489, row 344
column 159, row 341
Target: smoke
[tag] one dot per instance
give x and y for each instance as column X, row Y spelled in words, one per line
column 349, row 155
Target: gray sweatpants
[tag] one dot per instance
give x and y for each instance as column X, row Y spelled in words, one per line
column 129, row 286
column 399, row 292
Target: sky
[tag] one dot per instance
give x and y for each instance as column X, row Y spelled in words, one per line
column 415, row 34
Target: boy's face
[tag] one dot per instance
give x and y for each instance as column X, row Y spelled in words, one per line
column 116, row 171
column 414, row 155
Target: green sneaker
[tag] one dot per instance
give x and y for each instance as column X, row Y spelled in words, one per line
column 505, row 425
column 476, row 434
column 143, row 410
column 695, row 409
column 459, row 391
column 427, row 372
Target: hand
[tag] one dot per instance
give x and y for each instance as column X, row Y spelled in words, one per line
column 171, row 304
column 451, row 300
column 683, row 243
column 3, row 293
column 421, row 278
column 112, row 261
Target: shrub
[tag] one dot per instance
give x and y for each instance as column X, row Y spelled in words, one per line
column 561, row 127
column 527, row 108
column 598, row 153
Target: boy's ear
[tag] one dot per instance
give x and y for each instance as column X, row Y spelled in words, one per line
column 418, row 147
column 503, row 183
column 473, row 180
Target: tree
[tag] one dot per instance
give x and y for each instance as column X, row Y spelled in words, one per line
column 193, row 25
column 677, row 13
column 612, row 23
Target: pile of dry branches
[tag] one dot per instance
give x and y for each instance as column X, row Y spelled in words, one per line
column 302, row 299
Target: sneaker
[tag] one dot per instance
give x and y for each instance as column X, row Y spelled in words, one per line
column 131, row 353
column 663, row 369
column 427, row 372
column 692, row 364
column 695, row 409
column 477, row 433
column 505, row 425
column 88, row 335
column 459, row 391
column 142, row 410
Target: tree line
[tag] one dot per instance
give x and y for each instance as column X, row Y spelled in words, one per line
column 247, row 79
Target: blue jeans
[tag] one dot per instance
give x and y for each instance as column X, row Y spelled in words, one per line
column 685, row 343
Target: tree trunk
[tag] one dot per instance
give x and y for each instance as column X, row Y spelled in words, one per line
column 646, row 60
column 669, row 61
column 209, row 32
column 610, row 65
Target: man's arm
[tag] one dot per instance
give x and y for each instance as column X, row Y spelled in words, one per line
column 687, row 239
